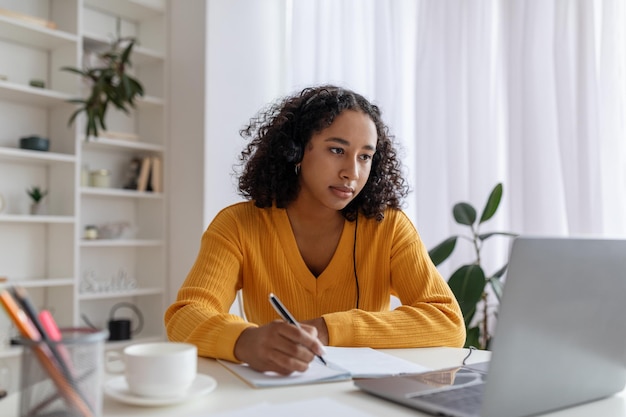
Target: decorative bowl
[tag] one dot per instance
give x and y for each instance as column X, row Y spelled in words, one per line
column 35, row 143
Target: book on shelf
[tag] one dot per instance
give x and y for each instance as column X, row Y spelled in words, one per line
column 156, row 175
column 144, row 174
column 33, row 20
column 343, row 364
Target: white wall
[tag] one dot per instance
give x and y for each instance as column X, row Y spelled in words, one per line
column 239, row 82
column 218, row 81
column 185, row 162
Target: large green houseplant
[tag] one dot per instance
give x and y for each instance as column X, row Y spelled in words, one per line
column 469, row 282
column 111, row 84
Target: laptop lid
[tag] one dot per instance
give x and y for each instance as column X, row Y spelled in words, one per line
column 560, row 335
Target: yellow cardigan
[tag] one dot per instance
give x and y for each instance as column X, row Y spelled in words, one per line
column 254, row 249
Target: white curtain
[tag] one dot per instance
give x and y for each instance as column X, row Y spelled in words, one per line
column 566, row 116
column 530, row 93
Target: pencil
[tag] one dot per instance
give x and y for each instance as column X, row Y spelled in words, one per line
column 28, row 331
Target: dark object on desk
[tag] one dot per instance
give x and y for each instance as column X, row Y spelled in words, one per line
column 35, row 143
column 564, row 349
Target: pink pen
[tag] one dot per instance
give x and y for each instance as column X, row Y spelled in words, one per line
column 50, row 326
column 48, row 323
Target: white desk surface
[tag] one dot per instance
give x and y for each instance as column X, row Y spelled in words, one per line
column 232, row 393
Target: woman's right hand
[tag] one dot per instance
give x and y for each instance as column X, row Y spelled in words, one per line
column 279, row 347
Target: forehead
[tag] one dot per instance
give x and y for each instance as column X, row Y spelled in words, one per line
column 355, row 127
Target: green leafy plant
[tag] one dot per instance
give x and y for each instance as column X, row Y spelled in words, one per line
column 36, row 194
column 110, row 83
column 469, row 282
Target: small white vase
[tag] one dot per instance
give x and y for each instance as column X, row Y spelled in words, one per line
column 38, row 208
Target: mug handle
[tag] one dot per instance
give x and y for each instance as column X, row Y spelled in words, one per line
column 112, row 357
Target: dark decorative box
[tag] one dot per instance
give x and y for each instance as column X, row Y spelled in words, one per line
column 35, row 143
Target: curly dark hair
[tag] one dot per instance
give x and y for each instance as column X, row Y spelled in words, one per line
column 279, row 134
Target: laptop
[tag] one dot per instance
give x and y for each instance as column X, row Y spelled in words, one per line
column 560, row 337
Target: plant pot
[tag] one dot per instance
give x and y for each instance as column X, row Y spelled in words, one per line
column 38, row 209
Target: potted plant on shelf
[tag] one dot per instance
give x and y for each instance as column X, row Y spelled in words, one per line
column 470, row 283
column 111, row 84
column 37, row 194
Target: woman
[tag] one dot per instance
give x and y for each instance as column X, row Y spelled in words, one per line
column 323, row 230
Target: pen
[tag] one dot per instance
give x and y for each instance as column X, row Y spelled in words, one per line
column 286, row 315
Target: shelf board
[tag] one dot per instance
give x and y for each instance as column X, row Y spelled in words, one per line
column 26, row 94
column 101, row 243
column 132, row 9
column 36, row 157
column 40, row 37
column 140, row 55
column 104, row 142
column 150, row 101
column 118, row 192
column 137, row 292
column 27, row 218
column 41, row 282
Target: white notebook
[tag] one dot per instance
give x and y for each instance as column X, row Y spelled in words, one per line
column 343, row 364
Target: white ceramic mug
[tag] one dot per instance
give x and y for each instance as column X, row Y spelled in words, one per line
column 158, row 369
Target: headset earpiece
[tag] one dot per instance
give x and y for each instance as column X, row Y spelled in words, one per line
column 293, row 151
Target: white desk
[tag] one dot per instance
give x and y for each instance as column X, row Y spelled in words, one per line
column 232, row 393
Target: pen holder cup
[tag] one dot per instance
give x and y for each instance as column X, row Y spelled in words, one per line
column 63, row 378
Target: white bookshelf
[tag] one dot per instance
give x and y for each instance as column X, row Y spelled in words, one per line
column 48, row 254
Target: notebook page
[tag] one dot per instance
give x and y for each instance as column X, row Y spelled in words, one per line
column 316, row 373
column 369, row 363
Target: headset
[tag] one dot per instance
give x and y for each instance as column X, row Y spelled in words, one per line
column 293, row 151
column 356, row 276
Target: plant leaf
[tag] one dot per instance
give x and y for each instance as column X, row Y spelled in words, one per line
column 442, row 251
column 464, row 213
column 73, row 116
column 125, row 58
column 497, row 287
column 492, row 203
column 486, row 236
column 468, row 284
column 75, row 70
column 472, row 338
column 498, row 274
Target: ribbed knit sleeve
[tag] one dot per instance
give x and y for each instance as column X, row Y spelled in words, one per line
column 200, row 313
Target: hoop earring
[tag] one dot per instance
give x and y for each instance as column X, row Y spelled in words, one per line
column 297, row 169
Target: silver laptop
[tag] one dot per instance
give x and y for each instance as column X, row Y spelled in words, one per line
column 560, row 339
